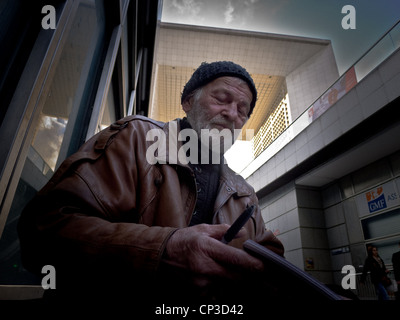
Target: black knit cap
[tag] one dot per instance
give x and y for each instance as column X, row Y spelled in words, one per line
column 208, row 72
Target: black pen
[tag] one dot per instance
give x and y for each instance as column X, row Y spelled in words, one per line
column 238, row 224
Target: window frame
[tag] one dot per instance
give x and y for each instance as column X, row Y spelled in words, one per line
column 120, row 67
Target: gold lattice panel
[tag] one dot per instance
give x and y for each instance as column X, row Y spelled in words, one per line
column 276, row 123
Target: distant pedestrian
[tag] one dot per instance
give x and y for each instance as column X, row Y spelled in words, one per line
column 376, row 266
column 396, row 270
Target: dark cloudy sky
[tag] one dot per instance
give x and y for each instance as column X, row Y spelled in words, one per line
column 310, row 18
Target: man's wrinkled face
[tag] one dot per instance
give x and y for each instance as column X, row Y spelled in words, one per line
column 221, row 104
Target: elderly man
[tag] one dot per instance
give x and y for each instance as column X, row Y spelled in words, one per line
column 113, row 224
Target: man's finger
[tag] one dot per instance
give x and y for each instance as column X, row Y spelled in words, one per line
column 215, row 231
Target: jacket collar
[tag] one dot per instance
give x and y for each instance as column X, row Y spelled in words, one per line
column 235, row 182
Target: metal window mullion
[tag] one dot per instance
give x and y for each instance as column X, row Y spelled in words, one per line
column 105, row 81
column 124, row 69
column 132, row 100
column 36, row 78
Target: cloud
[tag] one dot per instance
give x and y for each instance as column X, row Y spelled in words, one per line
column 184, row 7
column 182, row 11
column 239, row 12
column 221, row 13
column 228, row 13
column 48, row 139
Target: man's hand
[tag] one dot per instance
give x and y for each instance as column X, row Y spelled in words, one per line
column 198, row 250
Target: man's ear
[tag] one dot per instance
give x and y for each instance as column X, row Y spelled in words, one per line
column 187, row 104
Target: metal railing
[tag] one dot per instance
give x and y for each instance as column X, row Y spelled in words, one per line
column 366, row 290
column 380, row 51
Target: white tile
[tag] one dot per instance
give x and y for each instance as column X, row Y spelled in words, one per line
column 271, row 175
column 312, row 218
column 290, row 201
column 374, row 102
column 314, row 129
column 267, row 219
column 291, row 162
column 321, row 258
column 334, row 215
column 300, row 140
column 270, row 165
column 302, row 154
column 279, row 157
column 352, row 118
column 262, row 171
column 337, row 236
column 331, row 195
column 289, row 149
column 330, row 116
column 392, row 87
column 332, row 133
column 293, row 239
column 280, row 169
column 340, row 260
column 278, row 225
column 314, row 238
column 293, row 219
column 295, row 257
column 368, row 85
column 390, row 68
column 316, row 144
column 347, row 103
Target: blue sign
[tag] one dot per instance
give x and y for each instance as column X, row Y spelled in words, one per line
column 377, row 204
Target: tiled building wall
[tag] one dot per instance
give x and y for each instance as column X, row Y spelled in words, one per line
column 308, row 81
column 342, row 216
column 279, row 210
column 321, row 228
column 371, row 94
column 295, row 214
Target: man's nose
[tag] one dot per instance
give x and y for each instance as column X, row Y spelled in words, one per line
column 230, row 111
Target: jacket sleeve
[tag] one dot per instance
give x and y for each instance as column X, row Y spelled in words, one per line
column 70, row 224
column 60, row 228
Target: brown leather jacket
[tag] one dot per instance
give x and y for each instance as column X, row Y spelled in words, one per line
column 107, row 203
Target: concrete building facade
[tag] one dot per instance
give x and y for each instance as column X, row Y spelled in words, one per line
column 296, row 70
column 320, row 193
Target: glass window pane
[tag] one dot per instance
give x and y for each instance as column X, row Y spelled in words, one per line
column 64, row 99
column 60, row 120
column 109, row 110
column 383, row 225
